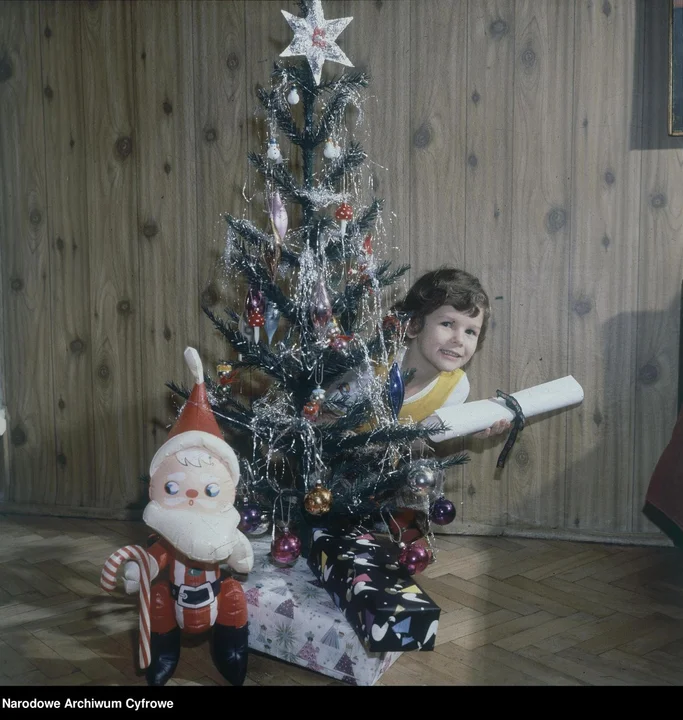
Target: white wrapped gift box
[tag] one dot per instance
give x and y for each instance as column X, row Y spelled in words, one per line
column 292, row 617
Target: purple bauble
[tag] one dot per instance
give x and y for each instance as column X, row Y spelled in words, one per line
column 414, row 558
column 443, row 512
column 250, row 517
column 285, row 548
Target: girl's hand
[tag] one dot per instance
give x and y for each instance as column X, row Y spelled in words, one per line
column 499, row 427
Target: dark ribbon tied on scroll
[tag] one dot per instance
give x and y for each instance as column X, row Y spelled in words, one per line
column 517, row 425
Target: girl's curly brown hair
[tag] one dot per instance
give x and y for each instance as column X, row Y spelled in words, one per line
column 445, row 286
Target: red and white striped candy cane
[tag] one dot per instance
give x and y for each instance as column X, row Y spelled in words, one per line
column 138, row 555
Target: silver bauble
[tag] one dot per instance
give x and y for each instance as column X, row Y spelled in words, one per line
column 421, row 480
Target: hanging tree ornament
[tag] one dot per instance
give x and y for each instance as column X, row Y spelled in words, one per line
column 395, row 390
column 442, row 512
column 315, row 38
column 227, row 375
column 344, row 213
column 279, row 221
column 321, row 308
column 414, row 558
column 319, row 500
column 255, row 307
column 421, row 479
column 285, row 547
column 272, row 320
column 293, row 96
column 332, row 149
column 278, row 215
column 273, row 153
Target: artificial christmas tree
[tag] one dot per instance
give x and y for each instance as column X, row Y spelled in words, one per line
column 318, row 288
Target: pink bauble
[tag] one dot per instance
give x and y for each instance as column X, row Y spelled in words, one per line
column 414, row 558
column 285, row 548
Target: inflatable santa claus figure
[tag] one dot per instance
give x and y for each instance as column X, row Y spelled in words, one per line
column 193, row 478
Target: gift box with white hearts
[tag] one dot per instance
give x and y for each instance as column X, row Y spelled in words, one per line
column 381, row 601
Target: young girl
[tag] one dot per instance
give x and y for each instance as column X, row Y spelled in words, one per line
column 449, row 313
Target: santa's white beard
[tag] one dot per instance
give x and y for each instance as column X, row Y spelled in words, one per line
column 199, row 536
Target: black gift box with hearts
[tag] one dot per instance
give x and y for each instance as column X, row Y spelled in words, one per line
column 383, row 603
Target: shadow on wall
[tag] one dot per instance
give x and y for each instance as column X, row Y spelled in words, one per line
column 628, row 424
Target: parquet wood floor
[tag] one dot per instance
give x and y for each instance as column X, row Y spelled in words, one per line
column 514, row 612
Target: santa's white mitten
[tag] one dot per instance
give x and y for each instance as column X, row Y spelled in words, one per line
column 242, row 558
column 131, row 578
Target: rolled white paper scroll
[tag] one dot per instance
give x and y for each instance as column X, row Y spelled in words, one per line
column 472, row 417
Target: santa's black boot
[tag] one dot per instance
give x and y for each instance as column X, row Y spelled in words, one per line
column 165, row 653
column 230, row 652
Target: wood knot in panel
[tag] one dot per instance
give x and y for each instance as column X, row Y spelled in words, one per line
column 648, row 374
column 124, row 147
column 210, row 296
column 150, row 229
column 556, row 220
column 528, row 58
column 233, row 61
column 168, row 108
column 48, row 92
column 498, row 28
column 658, row 201
column 522, row 458
column 61, row 461
column 18, row 436
column 606, row 8
column 472, row 160
column 422, row 136
column 582, row 307
column 609, row 177
column 61, row 404
column 35, row 217
column 103, row 372
column 77, row 346
column 123, row 307
column 167, row 333
column 167, row 167
column 476, row 97
column 17, row 284
column 210, row 135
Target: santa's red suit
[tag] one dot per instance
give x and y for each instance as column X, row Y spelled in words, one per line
column 192, row 595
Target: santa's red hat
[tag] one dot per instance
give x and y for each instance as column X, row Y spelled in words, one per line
column 196, row 426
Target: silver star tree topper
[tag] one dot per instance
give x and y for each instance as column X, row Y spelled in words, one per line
column 315, row 38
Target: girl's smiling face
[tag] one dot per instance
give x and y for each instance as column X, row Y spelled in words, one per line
column 446, row 342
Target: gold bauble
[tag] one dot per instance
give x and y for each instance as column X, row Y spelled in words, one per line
column 318, row 501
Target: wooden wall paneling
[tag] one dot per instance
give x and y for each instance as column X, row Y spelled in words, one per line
column 167, row 205
column 68, row 237
column 377, row 41
column 26, row 259
column 604, row 270
column 540, row 251
column 222, row 166
column 660, row 262
column 438, row 124
column 488, row 159
column 113, row 237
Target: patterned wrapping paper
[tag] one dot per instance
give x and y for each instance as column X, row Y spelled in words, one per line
column 291, row 617
column 387, row 608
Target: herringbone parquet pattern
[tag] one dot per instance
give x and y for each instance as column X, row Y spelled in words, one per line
column 514, row 612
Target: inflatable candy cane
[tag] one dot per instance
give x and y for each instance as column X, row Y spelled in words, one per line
column 138, row 555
